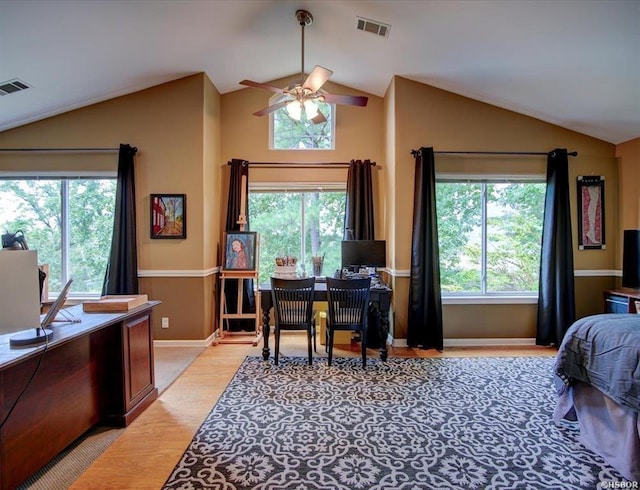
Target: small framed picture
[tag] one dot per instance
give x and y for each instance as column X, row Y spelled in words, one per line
column 240, row 250
column 169, row 216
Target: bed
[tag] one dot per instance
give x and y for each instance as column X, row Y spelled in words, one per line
column 597, row 376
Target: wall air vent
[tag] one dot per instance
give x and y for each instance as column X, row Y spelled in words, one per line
column 373, row 27
column 12, row 86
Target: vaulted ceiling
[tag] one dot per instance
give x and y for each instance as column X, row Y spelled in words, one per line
column 573, row 63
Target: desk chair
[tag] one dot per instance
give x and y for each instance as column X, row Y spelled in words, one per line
column 348, row 303
column 293, row 306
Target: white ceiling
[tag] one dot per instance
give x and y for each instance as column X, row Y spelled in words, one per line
column 573, row 63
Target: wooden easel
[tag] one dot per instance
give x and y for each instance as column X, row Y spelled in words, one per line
column 226, row 336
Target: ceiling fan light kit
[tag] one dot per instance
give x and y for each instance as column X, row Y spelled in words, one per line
column 303, row 97
column 310, row 109
column 294, row 109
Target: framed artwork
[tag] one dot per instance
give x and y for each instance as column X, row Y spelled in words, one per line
column 591, row 212
column 240, row 250
column 169, row 216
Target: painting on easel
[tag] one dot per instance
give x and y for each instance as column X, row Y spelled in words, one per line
column 240, row 250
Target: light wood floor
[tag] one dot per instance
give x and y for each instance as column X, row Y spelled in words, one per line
column 146, row 453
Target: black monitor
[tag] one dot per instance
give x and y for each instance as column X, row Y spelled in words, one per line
column 631, row 259
column 364, row 253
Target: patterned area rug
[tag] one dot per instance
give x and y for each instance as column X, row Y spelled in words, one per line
column 434, row 423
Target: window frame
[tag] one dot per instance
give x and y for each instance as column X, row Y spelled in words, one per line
column 65, row 177
column 297, row 187
column 492, row 297
column 277, row 98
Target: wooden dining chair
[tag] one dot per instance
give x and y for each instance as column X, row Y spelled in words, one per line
column 348, row 305
column 293, row 306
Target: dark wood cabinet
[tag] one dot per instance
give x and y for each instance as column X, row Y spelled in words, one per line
column 137, row 349
column 96, row 371
column 621, row 300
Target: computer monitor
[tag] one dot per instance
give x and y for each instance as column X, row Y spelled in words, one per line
column 364, row 253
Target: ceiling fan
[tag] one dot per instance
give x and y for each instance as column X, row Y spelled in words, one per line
column 303, row 95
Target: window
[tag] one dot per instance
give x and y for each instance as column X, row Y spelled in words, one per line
column 489, row 235
column 289, row 134
column 298, row 222
column 69, row 221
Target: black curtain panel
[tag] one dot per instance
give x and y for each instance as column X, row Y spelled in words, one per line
column 358, row 214
column 239, row 168
column 556, row 295
column 121, row 276
column 424, row 328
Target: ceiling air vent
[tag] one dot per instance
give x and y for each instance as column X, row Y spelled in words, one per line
column 373, row 26
column 12, row 86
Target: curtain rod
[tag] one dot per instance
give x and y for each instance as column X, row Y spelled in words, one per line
column 542, row 153
column 300, row 164
column 65, row 150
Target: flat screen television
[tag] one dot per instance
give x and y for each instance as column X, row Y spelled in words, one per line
column 364, row 253
column 631, row 259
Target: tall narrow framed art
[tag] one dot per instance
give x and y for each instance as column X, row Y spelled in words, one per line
column 591, row 230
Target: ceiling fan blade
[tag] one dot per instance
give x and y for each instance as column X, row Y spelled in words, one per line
column 345, row 99
column 264, row 86
column 319, row 119
column 271, row 108
column 316, row 78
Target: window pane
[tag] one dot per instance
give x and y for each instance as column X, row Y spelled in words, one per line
column 460, row 236
column 514, row 230
column 91, row 224
column 276, row 217
column 33, row 206
column 506, row 241
column 289, row 134
column 281, row 217
column 324, row 220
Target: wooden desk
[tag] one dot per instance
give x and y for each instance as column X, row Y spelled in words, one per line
column 97, row 371
column 380, row 297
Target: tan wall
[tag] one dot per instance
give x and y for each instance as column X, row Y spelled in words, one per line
column 628, row 154
column 390, row 173
column 359, row 130
column 427, row 116
column 167, row 124
column 186, row 132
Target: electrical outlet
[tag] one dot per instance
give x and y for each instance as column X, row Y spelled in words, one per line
column 165, row 322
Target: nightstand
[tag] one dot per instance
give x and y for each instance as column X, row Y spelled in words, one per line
column 621, row 300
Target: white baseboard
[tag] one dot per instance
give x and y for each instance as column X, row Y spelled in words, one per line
column 184, row 343
column 488, row 342
column 507, row 342
column 397, row 342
